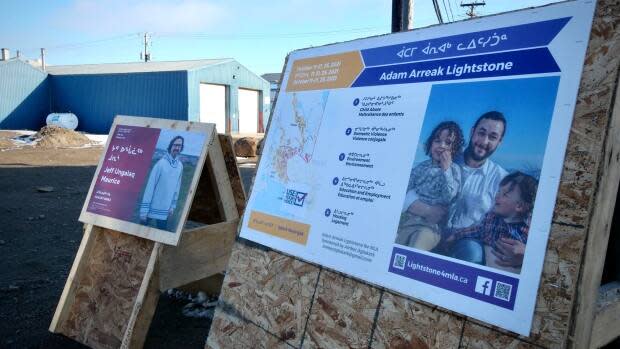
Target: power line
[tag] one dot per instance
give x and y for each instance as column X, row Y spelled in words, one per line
column 70, row 46
column 445, row 9
column 437, row 11
column 246, row 36
column 198, row 35
column 450, row 7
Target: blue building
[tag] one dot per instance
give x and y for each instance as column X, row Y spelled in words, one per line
column 220, row 91
column 24, row 95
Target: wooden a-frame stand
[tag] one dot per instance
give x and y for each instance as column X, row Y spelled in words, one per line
column 113, row 287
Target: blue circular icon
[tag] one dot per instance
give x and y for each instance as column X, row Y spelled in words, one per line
column 328, row 212
column 341, row 157
column 348, row 131
column 356, row 102
column 335, row 181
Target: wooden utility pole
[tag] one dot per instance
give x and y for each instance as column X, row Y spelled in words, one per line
column 402, row 15
column 43, row 59
column 147, row 55
column 472, row 6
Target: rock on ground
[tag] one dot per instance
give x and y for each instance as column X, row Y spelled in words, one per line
column 245, row 147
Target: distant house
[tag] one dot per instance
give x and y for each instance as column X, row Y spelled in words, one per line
column 221, row 91
column 274, row 84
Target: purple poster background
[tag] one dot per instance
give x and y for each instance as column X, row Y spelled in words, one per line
column 123, row 171
column 480, row 284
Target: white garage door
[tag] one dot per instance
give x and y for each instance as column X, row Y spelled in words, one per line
column 248, row 111
column 213, row 105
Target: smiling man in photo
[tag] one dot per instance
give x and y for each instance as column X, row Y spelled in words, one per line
column 163, row 186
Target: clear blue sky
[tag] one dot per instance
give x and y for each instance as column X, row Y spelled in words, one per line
column 258, row 34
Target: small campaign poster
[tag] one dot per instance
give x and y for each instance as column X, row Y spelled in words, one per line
column 143, row 184
column 428, row 161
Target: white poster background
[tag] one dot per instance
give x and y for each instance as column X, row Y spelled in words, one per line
column 375, row 224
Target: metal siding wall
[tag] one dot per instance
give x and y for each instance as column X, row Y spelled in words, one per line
column 24, row 96
column 223, row 74
column 97, row 99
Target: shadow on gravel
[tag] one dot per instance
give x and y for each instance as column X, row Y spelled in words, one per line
column 39, row 237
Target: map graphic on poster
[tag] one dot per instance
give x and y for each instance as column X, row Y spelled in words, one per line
column 297, row 136
column 287, row 178
column 427, row 162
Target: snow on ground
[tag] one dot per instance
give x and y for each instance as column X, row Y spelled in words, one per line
column 97, row 139
column 25, row 137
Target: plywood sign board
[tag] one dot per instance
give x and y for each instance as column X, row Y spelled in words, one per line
column 147, row 177
column 427, row 162
column 112, row 289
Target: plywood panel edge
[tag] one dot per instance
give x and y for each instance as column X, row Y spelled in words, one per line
column 220, row 175
column 598, row 230
column 67, row 296
column 140, row 314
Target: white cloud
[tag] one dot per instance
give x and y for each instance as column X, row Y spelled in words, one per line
column 123, row 16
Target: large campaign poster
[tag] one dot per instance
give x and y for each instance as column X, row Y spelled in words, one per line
column 144, row 181
column 428, row 161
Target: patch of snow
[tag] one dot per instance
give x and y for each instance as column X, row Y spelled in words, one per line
column 97, row 139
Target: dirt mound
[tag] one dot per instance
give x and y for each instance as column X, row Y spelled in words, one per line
column 5, row 139
column 5, row 143
column 54, row 137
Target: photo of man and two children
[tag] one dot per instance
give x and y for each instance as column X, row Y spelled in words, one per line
column 474, row 179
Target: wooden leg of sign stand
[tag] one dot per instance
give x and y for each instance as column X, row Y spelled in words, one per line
column 144, row 307
column 114, row 284
column 103, row 287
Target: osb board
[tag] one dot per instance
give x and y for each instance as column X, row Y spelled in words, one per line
column 106, row 289
column 235, row 332
column 271, row 290
column 342, row 314
column 556, row 300
column 405, row 323
column 233, row 171
column 476, row 336
column 580, row 178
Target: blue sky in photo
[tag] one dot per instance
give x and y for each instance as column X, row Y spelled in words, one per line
column 526, row 103
column 192, row 145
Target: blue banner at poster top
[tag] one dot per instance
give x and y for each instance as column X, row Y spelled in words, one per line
column 500, row 39
column 533, row 61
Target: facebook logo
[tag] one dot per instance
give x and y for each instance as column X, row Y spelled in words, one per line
column 483, row 285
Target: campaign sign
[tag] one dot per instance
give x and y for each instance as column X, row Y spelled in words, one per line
column 427, row 161
column 142, row 185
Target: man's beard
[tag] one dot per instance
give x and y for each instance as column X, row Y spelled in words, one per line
column 469, row 152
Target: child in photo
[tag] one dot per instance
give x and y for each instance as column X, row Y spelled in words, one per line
column 507, row 219
column 435, row 181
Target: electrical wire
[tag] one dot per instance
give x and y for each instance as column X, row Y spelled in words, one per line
column 445, row 9
column 241, row 36
column 450, row 8
column 211, row 36
column 437, row 11
column 71, row 46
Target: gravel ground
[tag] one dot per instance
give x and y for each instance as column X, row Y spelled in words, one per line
column 41, row 194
